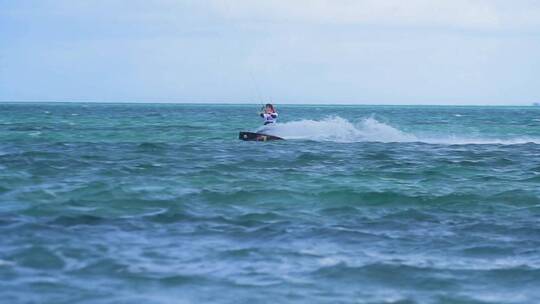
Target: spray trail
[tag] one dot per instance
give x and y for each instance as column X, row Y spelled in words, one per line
column 369, row 129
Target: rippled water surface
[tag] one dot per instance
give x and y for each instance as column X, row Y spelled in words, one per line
column 134, row 203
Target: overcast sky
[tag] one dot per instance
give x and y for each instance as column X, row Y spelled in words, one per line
column 288, row 51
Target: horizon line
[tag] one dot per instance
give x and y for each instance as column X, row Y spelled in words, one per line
column 529, row 104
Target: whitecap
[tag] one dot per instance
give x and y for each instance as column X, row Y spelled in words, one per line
column 6, row 263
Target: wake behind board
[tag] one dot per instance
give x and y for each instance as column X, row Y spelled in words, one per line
column 251, row 136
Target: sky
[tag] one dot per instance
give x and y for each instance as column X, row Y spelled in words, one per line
column 286, row 51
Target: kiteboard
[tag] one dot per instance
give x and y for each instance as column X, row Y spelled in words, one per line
column 251, row 136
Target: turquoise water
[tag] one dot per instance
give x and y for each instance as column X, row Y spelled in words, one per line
column 138, row 203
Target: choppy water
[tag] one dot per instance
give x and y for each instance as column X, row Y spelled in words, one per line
column 162, row 204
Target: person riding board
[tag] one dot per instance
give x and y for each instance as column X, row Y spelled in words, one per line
column 269, row 114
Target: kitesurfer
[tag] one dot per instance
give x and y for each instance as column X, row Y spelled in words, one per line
column 269, row 114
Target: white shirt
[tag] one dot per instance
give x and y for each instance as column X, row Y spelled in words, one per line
column 269, row 118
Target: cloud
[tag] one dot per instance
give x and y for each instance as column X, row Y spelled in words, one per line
column 455, row 14
column 475, row 51
column 494, row 15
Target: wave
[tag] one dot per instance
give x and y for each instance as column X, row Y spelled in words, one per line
column 338, row 129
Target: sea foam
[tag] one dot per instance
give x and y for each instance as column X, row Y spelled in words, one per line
column 338, row 129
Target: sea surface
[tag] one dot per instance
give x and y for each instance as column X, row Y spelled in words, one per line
column 161, row 203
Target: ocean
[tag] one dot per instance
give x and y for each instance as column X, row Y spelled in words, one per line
column 161, row 203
